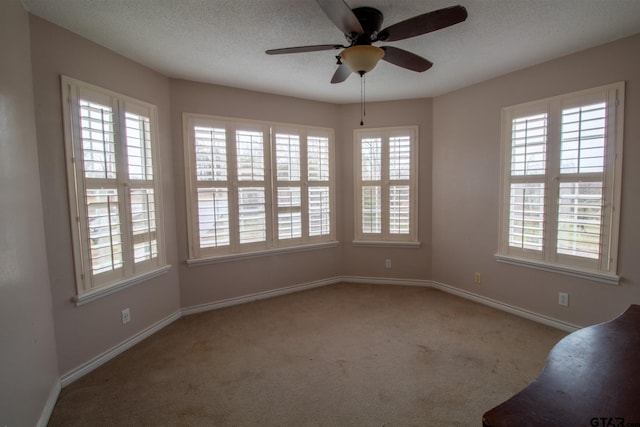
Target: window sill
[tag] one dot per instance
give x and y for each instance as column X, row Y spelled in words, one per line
column 596, row 276
column 266, row 252
column 95, row 294
column 388, row 244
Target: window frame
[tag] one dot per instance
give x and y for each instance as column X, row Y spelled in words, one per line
column 604, row 267
column 272, row 243
column 385, row 237
column 91, row 285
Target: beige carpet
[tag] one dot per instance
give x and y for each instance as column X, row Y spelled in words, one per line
column 341, row 355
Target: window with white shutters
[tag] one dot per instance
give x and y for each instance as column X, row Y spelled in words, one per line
column 256, row 186
column 561, row 182
column 114, row 198
column 386, row 185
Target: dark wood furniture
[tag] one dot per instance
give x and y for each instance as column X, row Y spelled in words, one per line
column 592, row 378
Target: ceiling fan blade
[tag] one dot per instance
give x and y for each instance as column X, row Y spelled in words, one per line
column 341, row 74
column 341, row 15
column 405, row 59
column 423, row 24
column 300, row 49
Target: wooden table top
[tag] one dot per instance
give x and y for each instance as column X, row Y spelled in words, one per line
column 592, row 378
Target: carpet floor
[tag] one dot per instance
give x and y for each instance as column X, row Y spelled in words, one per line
column 339, row 355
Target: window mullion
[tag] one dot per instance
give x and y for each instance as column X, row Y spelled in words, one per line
column 267, row 185
column 304, row 187
column 232, row 180
column 552, row 183
column 385, row 187
column 124, row 187
column 611, row 177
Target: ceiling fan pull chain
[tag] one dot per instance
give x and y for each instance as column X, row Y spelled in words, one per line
column 364, row 96
column 363, row 112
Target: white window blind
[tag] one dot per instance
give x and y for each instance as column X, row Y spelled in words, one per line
column 561, row 181
column 251, row 197
column 256, row 186
column 114, row 199
column 319, row 184
column 386, row 184
column 288, row 178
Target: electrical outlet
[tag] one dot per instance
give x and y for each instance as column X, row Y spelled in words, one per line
column 563, row 299
column 387, row 263
column 126, row 315
column 477, row 277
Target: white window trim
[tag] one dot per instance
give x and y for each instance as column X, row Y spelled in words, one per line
column 386, row 244
column 257, row 254
column 613, row 172
column 596, row 276
column 85, row 292
column 272, row 245
column 385, row 238
column 123, row 284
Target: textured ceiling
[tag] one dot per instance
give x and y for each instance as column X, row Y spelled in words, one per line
column 223, row 41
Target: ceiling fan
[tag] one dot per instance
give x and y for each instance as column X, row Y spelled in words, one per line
column 362, row 27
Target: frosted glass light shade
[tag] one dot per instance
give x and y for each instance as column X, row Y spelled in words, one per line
column 361, row 59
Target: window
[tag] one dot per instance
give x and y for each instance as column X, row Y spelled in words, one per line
column 114, row 197
column 561, row 182
column 386, row 185
column 256, row 186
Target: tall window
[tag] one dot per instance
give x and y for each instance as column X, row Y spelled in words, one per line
column 114, row 196
column 386, row 184
column 561, row 181
column 256, row 186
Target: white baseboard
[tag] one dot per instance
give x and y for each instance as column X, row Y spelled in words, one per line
column 49, row 405
column 386, row 281
column 260, row 295
column 101, row 359
column 555, row 323
column 92, row 364
column 536, row 317
column 530, row 315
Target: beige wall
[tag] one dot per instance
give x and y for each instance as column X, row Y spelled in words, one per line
column 85, row 332
column 203, row 284
column 28, row 366
column 466, row 153
column 207, row 283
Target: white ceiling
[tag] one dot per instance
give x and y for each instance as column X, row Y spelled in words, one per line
column 223, row 41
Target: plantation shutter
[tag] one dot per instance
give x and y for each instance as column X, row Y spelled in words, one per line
column 102, row 192
column 288, row 185
column 113, row 192
column 399, row 184
column 142, row 196
column 255, row 186
column 211, row 185
column 527, row 182
column 582, row 161
column 562, row 171
column 386, row 184
column 371, row 189
column 252, row 193
column 319, row 185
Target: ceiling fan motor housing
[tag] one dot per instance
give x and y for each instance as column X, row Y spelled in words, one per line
column 371, row 22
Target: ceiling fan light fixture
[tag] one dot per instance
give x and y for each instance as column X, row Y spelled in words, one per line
column 361, row 58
